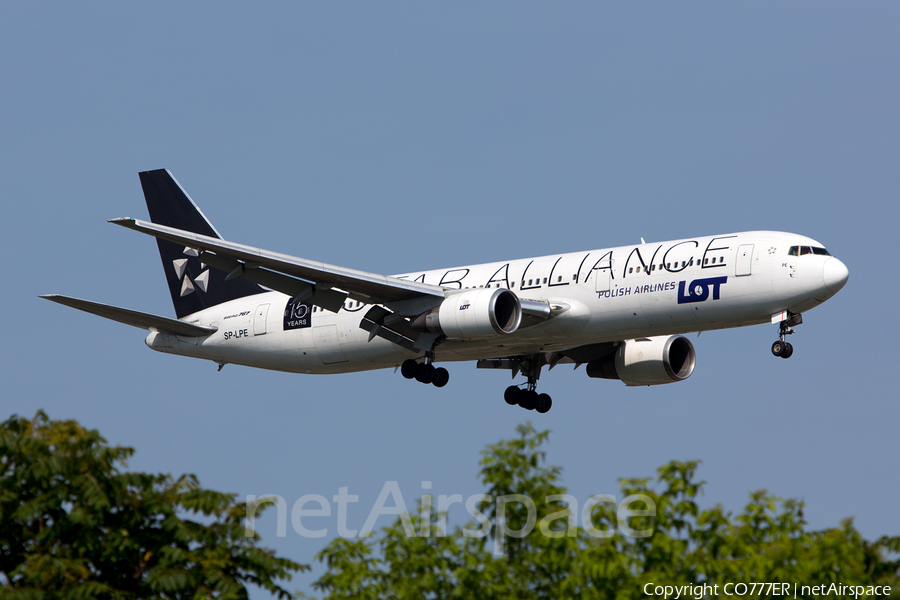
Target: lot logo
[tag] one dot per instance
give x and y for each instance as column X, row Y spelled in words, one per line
column 698, row 291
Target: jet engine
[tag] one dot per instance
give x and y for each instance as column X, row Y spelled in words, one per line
column 647, row 361
column 473, row 314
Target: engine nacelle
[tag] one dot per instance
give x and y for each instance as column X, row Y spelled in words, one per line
column 648, row 361
column 473, row 314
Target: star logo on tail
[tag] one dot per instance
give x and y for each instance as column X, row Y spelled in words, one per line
column 189, row 286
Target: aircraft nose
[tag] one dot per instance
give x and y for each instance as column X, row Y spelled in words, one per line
column 835, row 274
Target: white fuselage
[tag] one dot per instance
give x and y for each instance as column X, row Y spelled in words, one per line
column 608, row 295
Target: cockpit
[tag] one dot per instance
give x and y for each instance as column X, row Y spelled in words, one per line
column 801, row 250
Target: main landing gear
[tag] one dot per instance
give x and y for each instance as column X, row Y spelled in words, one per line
column 524, row 395
column 782, row 348
column 425, row 372
column 528, row 397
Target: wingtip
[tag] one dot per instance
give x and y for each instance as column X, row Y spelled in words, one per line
column 121, row 220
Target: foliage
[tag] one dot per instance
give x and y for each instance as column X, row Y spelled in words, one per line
column 73, row 525
column 767, row 542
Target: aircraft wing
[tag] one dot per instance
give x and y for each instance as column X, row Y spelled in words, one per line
column 298, row 277
column 133, row 317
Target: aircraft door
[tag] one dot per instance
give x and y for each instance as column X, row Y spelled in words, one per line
column 259, row 319
column 602, row 277
column 328, row 347
column 744, row 260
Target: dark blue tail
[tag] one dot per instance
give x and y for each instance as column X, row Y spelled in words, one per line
column 193, row 286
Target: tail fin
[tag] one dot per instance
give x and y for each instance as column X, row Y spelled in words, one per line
column 193, row 286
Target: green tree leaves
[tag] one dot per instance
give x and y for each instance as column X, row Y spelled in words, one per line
column 72, row 525
column 685, row 544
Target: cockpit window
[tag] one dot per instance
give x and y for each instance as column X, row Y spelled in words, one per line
column 801, row 250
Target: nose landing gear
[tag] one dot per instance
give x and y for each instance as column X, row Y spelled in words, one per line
column 782, row 348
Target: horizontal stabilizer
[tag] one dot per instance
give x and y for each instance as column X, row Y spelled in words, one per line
column 132, row 317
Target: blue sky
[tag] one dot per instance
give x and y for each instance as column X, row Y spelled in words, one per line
column 407, row 136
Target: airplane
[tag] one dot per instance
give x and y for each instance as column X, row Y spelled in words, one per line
column 621, row 311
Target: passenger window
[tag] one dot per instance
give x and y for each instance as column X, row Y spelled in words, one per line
column 805, row 250
column 545, row 280
column 630, row 269
column 714, row 260
column 558, row 279
column 514, row 284
column 721, row 259
column 705, row 261
column 653, row 268
column 529, row 282
column 683, row 264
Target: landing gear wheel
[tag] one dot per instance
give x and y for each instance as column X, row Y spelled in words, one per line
column 526, row 395
column 528, row 400
column 425, row 373
column 409, row 368
column 788, row 350
column 544, row 403
column 441, row 377
column 782, row 348
column 511, row 395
